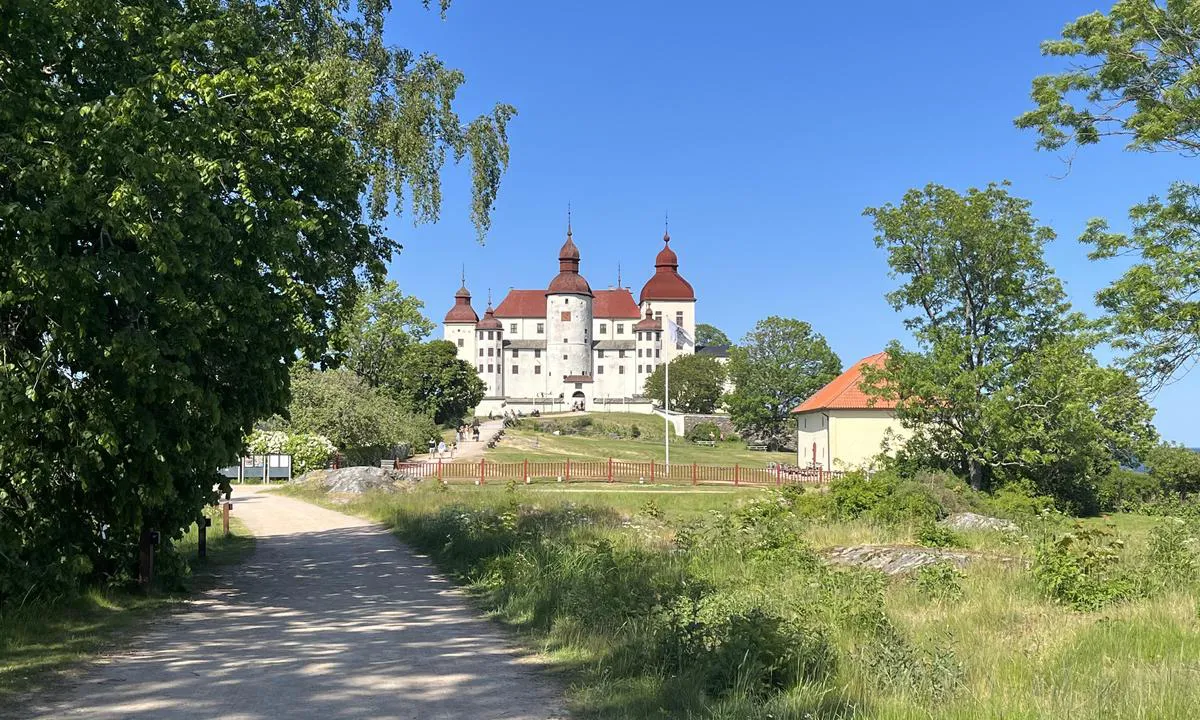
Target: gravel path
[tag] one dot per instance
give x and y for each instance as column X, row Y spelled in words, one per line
column 330, row 618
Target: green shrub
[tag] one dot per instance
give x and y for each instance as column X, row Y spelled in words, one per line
column 930, row 534
column 309, row 452
column 1082, row 568
column 729, row 642
column 1124, row 490
column 635, row 431
column 704, row 431
column 856, row 493
column 1172, row 557
column 909, row 502
column 1018, row 501
column 939, row 581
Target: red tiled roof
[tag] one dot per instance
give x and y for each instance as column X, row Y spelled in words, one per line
column 648, row 323
column 608, row 304
column 667, row 283
column 616, row 303
column 577, row 378
column 845, row 391
column 462, row 312
column 489, row 321
column 522, row 304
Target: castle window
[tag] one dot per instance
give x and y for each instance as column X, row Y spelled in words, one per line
column 480, row 352
column 640, row 368
column 460, row 342
column 600, row 354
column 490, row 335
column 657, row 353
column 620, row 353
column 491, row 352
column 564, row 341
column 658, row 315
column 639, row 352
column 679, row 318
column 512, row 327
column 537, row 353
column 537, row 369
column 541, row 328
column 620, row 369
column 514, row 372
column 620, row 328
column 599, row 369
column 491, row 368
column 603, row 328
column 564, row 357
column 578, row 386
column 515, row 353
column 481, row 368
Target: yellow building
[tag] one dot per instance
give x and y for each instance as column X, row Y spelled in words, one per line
column 841, row 427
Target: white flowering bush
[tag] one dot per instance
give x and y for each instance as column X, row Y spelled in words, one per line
column 309, row 452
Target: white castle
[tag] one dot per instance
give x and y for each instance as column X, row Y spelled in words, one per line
column 569, row 346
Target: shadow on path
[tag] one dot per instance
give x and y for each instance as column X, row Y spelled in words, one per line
column 330, row 618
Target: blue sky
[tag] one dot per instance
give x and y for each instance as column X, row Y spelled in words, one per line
column 764, row 129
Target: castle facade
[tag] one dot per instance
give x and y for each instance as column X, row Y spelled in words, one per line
column 567, row 346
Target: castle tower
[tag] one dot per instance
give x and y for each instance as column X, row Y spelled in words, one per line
column 489, row 336
column 459, row 326
column 568, row 327
column 673, row 298
column 648, row 339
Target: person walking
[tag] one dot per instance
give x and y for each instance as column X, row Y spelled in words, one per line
column 441, row 448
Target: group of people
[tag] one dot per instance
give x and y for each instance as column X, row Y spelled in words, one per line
column 463, row 433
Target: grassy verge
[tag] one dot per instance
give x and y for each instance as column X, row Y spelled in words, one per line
column 37, row 641
column 703, row 605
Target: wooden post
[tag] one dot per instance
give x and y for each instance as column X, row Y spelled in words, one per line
column 652, row 463
column 568, row 476
column 778, row 473
column 694, row 480
column 439, row 469
column 146, row 545
column 737, row 475
column 610, row 477
column 225, row 508
column 526, row 471
column 202, row 536
column 482, row 477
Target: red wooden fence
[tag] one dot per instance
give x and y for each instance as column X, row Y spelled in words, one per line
column 611, row 470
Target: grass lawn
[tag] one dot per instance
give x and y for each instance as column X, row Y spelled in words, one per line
column 37, row 641
column 587, row 574
column 523, row 443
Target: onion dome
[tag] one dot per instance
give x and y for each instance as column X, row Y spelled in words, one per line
column 462, row 312
column 667, row 283
column 489, row 321
column 648, row 322
column 569, row 281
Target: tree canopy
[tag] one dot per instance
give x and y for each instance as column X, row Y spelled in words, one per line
column 1136, row 76
column 181, row 191
column 710, row 335
column 1003, row 386
column 342, row 407
column 433, row 381
column 377, row 332
column 697, row 384
column 777, row 365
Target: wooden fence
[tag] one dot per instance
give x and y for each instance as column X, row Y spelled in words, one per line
column 615, row 471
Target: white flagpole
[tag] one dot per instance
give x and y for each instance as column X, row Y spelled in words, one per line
column 667, row 415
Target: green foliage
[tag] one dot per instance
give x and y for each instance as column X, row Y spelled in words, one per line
column 941, row 580
column 882, row 497
column 1124, row 490
column 931, row 534
column 182, row 219
column 432, row 381
column 1082, row 569
column 1175, row 468
column 704, row 431
column 710, row 335
column 342, row 407
column 1004, row 387
column 1173, row 557
column 779, row 364
column 377, row 333
column 1020, row 502
column 309, row 452
column 697, row 383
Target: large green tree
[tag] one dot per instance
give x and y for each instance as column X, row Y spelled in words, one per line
column 1003, row 385
column 777, row 365
column 379, row 330
column 1136, row 75
column 1176, row 468
column 710, row 335
column 697, row 384
column 181, row 213
column 432, row 380
column 351, row 413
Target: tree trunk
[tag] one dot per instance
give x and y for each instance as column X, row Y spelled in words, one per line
column 145, row 559
column 975, row 474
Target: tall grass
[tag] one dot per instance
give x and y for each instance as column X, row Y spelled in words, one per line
column 682, row 606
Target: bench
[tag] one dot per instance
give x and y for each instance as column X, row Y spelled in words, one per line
column 757, row 447
column 706, row 443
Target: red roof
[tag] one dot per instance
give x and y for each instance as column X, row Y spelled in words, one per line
column 845, row 391
column 649, row 323
column 577, row 378
column 569, row 281
column 608, row 304
column 667, row 283
column 462, row 312
column 489, row 321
